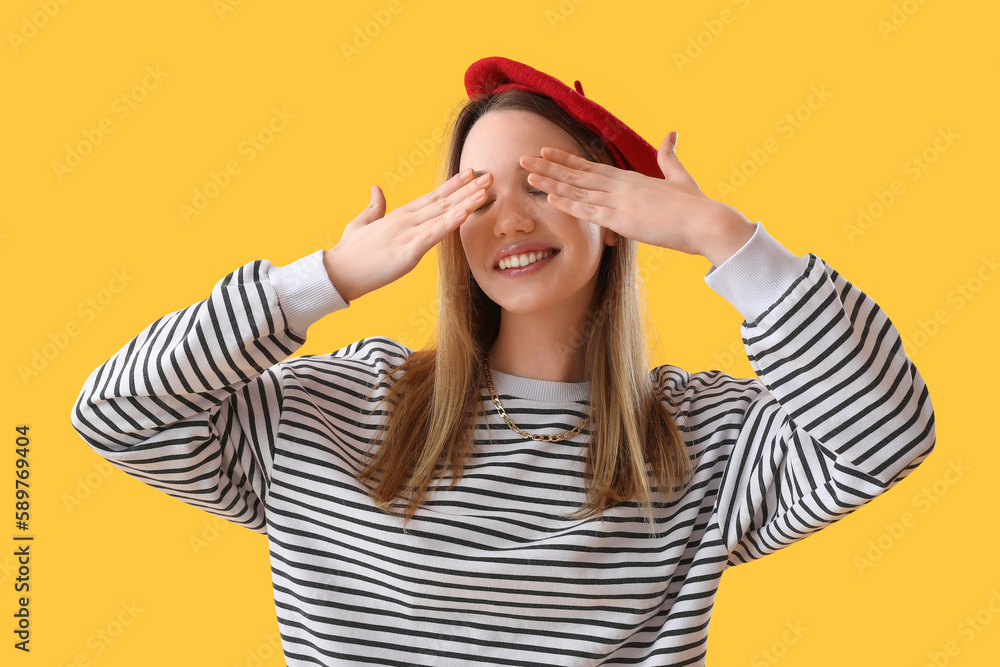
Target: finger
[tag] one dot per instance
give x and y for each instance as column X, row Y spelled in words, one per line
column 465, row 206
column 580, row 163
column 377, row 204
column 589, row 212
column 375, row 208
column 448, row 187
column 444, row 205
column 432, row 231
column 565, row 157
column 666, row 158
column 588, row 177
column 574, row 192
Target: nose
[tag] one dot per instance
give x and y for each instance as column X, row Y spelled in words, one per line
column 511, row 218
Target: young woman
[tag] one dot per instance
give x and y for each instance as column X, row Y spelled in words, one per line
column 525, row 490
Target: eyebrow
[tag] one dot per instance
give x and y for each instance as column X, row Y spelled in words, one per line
column 519, row 168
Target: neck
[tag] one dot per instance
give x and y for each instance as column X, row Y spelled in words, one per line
column 541, row 346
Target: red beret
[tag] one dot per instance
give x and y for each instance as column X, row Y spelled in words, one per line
column 628, row 149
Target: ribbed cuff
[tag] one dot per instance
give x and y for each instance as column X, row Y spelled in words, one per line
column 757, row 275
column 305, row 293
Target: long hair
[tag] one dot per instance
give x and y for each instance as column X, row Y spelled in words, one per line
column 635, row 447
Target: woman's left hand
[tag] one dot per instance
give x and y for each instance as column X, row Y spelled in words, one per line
column 672, row 213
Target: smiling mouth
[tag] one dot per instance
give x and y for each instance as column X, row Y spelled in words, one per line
column 516, row 263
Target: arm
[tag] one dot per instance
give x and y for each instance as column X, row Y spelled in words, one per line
column 843, row 415
column 191, row 405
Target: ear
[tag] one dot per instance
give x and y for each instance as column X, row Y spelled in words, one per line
column 610, row 237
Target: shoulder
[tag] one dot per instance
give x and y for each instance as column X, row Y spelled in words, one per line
column 365, row 362
column 687, row 393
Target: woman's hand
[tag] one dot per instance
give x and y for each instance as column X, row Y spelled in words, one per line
column 376, row 249
column 671, row 213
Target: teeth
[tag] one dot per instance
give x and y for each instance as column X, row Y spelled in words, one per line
column 514, row 261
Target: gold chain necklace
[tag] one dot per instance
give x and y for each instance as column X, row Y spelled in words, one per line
column 520, row 431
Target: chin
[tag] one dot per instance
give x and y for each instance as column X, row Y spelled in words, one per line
column 528, row 304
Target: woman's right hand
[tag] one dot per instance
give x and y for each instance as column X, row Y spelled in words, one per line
column 376, row 249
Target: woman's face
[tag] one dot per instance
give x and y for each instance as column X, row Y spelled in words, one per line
column 518, row 221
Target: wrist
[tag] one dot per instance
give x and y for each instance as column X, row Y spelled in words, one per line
column 758, row 275
column 304, row 291
column 724, row 234
column 339, row 282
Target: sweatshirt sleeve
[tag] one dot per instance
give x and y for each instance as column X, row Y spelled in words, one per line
column 840, row 414
column 191, row 405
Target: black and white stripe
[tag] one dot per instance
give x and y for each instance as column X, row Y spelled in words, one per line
column 492, row 571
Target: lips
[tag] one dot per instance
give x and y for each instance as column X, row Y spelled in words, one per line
column 520, row 249
column 531, row 267
column 525, row 259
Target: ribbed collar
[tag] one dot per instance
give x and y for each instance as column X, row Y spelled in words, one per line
column 544, row 391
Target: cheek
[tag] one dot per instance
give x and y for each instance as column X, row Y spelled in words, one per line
column 588, row 236
column 471, row 244
column 465, row 235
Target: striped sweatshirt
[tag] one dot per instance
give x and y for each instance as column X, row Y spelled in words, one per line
column 207, row 405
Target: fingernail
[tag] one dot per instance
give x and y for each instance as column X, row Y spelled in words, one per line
column 548, row 152
column 484, row 179
column 468, row 173
column 527, row 159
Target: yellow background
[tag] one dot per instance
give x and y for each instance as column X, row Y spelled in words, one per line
column 105, row 544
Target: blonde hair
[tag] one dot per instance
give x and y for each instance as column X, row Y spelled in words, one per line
column 635, row 446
